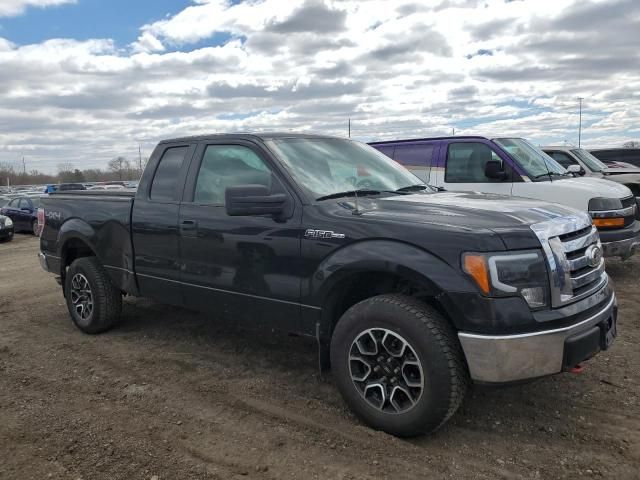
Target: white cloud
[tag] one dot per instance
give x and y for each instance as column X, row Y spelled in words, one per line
column 398, row 69
column 10, row 8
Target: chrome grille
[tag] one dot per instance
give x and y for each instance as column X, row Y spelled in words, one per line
column 566, row 241
column 582, row 274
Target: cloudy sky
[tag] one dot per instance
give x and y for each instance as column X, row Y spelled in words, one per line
column 82, row 81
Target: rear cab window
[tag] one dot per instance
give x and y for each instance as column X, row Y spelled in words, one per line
column 165, row 187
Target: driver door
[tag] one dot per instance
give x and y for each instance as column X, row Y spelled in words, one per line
column 467, row 166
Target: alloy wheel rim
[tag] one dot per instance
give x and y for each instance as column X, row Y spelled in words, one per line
column 81, row 296
column 386, row 371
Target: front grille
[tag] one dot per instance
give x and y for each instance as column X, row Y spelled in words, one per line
column 567, row 242
column 584, row 277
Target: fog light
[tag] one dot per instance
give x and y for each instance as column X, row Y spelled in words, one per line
column 535, row 297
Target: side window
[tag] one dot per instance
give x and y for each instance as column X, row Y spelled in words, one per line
column 165, row 180
column 416, row 158
column 563, row 159
column 14, row 203
column 227, row 166
column 466, row 163
column 24, row 203
column 388, row 151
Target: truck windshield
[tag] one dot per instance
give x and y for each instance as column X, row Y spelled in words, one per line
column 590, row 161
column 329, row 166
column 535, row 162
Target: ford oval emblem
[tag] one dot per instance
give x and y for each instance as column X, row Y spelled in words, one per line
column 593, row 255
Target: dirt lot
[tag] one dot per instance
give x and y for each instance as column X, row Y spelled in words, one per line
column 174, row 394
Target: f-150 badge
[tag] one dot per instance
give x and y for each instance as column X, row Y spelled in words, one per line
column 311, row 233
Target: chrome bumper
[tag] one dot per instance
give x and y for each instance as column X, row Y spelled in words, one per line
column 509, row 358
column 622, row 248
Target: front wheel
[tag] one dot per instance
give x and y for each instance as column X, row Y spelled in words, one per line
column 399, row 365
column 94, row 303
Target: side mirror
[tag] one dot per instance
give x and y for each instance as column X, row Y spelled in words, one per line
column 493, row 169
column 247, row 200
column 575, row 169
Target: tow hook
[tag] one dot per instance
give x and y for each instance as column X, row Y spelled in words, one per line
column 577, row 369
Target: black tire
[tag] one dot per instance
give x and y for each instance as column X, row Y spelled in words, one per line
column 34, row 227
column 106, row 299
column 429, row 337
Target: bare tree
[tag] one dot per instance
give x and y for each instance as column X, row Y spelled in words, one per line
column 631, row 144
column 120, row 166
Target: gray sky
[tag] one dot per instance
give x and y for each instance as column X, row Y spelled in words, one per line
column 398, row 68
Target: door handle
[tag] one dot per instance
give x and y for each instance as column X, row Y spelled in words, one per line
column 187, row 225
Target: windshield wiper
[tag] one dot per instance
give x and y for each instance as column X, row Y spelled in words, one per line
column 549, row 174
column 348, row 193
column 411, row 188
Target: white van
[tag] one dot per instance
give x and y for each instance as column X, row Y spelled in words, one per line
column 512, row 166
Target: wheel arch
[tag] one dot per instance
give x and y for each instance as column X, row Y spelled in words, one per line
column 378, row 267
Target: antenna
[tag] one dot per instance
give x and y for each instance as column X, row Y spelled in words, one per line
column 357, row 210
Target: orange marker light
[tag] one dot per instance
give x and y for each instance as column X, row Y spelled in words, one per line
column 476, row 266
column 608, row 222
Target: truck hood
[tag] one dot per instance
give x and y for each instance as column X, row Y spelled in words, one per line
column 618, row 171
column 593, row 187
column 462, row 210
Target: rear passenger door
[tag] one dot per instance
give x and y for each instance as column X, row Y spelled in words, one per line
column 466, row 167
column 155, row 224
column 246, row 268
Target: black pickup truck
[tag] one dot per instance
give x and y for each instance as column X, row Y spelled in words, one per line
column 410, row 293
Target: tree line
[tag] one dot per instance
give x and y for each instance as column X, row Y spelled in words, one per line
column 118, row 169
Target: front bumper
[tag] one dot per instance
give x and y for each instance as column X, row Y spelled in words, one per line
column 6, row 232
column 621, row 248
column 512, row 358
column 621, row 243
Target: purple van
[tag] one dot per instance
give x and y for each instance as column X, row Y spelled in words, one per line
column 513, row 166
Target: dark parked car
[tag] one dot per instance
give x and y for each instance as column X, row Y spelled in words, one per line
column 410, row 292
column 618, row 155
column 24, row 213
column 6, row 228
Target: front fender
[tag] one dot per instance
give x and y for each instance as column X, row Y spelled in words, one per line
column 402, row 259
column 412, row 263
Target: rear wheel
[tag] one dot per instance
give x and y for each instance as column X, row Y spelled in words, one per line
column 94, row 303
column 34, row 227
column 398, row 364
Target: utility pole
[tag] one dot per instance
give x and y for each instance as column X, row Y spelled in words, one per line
column 453, row 131
column 140, row 159
column 349, row 127
column 24, row 166
column 580, row 122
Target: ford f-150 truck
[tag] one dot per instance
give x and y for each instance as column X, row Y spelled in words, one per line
column 410, row 293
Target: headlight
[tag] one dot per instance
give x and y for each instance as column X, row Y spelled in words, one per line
column 8, row 222
column 503, row 274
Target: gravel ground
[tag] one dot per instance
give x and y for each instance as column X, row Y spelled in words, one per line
column 172, row 394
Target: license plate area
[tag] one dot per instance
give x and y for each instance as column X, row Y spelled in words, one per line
column 609, row 331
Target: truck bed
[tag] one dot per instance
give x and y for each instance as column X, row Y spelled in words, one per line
column 100, row 218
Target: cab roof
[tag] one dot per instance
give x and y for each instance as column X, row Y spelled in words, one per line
column 247, row 136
